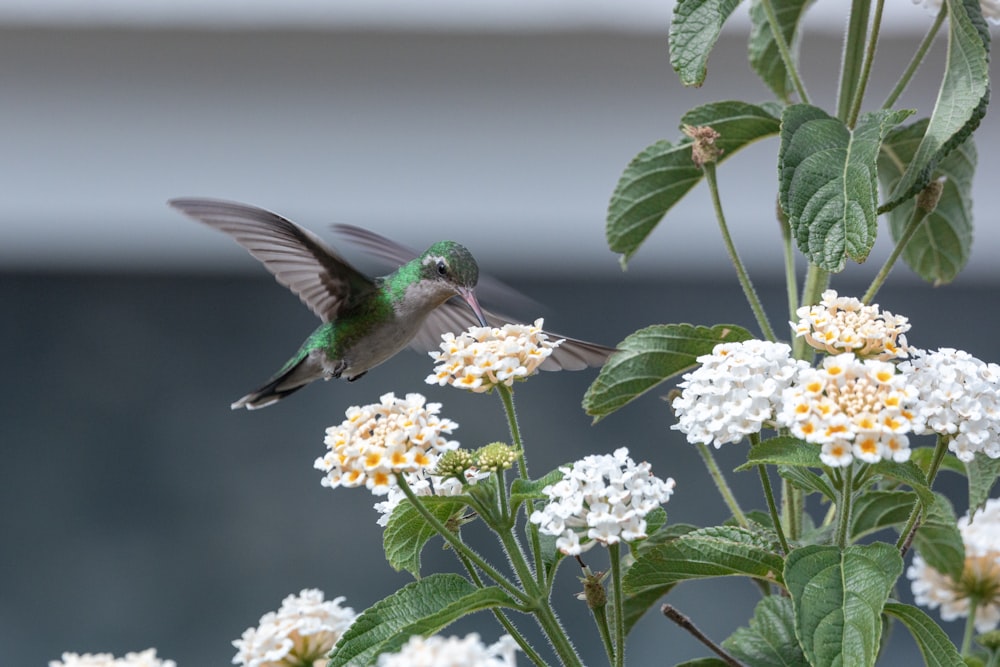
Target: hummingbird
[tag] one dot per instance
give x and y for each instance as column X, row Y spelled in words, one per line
column 365, row 321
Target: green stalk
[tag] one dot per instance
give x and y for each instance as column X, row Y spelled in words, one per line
column 459, row 545
column 507, row 397
column 970, row 625
column 788, row 249
column 741, row 273
column 501, row 616
column 616, row 585
column 786, row 54
column 917, row 60
column 906, row 535
column 919, row 214
column 854, row 50
column 722, row 485
column 866, row 68
column 844, row 510
column 557, row 636
column 772, row 508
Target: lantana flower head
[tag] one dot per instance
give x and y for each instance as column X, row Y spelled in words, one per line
column 844, row 324
column 980, row 576
column 735, row 391
column 301, row 632
column 452, row 652
column 483, row 357
column 376, row 441
column 601, row 499
column 959, row 398
column 991, row 8
column 145, row 658
column 853, row 408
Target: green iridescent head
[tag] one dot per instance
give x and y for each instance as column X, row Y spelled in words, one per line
column 450, row 261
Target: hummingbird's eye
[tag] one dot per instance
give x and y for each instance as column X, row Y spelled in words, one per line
column 442, row 268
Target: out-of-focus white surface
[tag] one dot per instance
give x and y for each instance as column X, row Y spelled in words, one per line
column 510, row 141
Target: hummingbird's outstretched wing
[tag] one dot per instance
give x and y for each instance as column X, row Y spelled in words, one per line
column 296, row 257
column 455, row 316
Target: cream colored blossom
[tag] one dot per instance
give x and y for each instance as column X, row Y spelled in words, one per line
column 452, row 652
column 844, row 324
column 145, row 658
column 980, row 576
column 852, row 408
column 483, row 357
column 376, row 441
column 301, row 632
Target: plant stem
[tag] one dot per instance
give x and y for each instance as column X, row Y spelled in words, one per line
column 844, row 509
column 557, row 636
column 680, row 619
column 906, row 536
column 741, row 273
column 917, row 60
column 866, row 68
column 788, row 248
column 459, row 545
column 501, row 616
column 722, row 485
column 854, row 49
column 919, row 214
column 970, row 625
column 616, row 585
column 599, row 607
column 775, row 518
column 507, row 397
column 786, row 54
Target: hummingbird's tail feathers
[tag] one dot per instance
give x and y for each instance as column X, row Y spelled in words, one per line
column 575, row 355
column 287, row 381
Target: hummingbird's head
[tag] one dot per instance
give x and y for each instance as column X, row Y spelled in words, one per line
column 451, row 264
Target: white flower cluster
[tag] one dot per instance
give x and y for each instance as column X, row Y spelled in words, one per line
column 844, row 324
column 734, row 391
column 301, row 632
column 145, row 658
column 452, row 652
column 603, row 498
column 484, row 357
column 376, row 441
column 959, row 398
column 991, row 8
column 423, row 484
column 853, row 408
column 980, row 576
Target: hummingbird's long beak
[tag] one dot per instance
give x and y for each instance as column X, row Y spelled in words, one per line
column 469, row 295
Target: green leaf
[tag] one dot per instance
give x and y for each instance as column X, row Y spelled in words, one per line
column 940, row 247
column 937, row 649
column 703, row 662
column 770, row 640
column 522, row 490
column 662, row 174
column 877, row 510
column 637, row 604
column 717, row 551
column 650, row 356
column 838, row 598
column 827, row 182
column 422, row 607
column 982, row 472
column 907, row 473
column 764, row 56
column 693, row 32
column 407, row 531
column 961, row 102
column 938, row 539
column 783, row 450
column 808, row 481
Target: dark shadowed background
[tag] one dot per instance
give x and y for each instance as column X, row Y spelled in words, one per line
column 136, row 509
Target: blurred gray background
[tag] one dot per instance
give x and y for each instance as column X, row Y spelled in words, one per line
column 136, row 510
